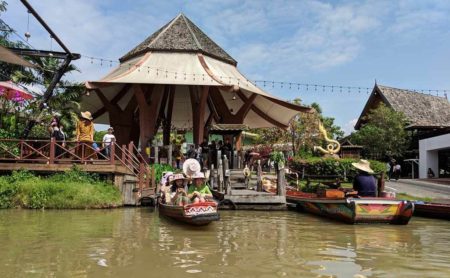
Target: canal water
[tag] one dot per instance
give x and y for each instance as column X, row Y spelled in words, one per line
column 136, row 242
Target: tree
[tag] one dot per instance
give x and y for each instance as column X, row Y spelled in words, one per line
column 65, row 101
column 384, row 133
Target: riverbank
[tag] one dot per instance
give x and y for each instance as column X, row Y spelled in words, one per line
column 73, row 189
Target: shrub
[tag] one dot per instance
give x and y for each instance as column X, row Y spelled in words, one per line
column 73, row 189
column 331, row 166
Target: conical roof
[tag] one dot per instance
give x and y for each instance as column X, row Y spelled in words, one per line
column 180, row 35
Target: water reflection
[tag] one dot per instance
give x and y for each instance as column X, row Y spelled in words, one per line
column 136, row 242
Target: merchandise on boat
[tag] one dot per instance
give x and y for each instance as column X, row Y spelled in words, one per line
column 195, row 214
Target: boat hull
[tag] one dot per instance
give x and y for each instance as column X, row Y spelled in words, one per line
column 194, row 214
column 357, row 210
column 433, row 210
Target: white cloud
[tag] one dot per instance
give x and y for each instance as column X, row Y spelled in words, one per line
column 349, row 127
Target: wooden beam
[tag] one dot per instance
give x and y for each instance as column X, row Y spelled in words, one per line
column 168, row 121
column 198, row 103
column 115, row 100
column 162, row 110
column 245, row 108
column 261, row 113
column 290, row 105
column 221, row 106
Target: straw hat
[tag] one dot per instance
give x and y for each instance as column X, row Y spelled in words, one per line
column 363, row 165
column 198, row 175
column 86, row 115
column 176, row 177
column 111, row 128
column 190, row 167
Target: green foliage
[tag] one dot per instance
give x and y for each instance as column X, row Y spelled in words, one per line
column 160, row 168
column 384, row 134
column 331, row 166
column 98, row 135
column 72, row 189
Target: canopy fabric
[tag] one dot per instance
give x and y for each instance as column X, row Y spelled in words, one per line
column 9, row 57
column 11, row 91
column 184, row 70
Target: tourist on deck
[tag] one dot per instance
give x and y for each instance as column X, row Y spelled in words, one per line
column 199, row 191
column 108, row 139
column 178, row 195
column 364, row 182
column 85, row 135
column 55, row 132
column 191, row 153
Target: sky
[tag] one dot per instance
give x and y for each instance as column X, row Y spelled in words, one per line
column 402, row 44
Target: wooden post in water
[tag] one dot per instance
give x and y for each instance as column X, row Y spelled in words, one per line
column 220, row 172
column 281, row 186
column 169, row 155
column 380, row 185
column 212, row 177
column 259, row 177
column 226, row 175
column 156, row 153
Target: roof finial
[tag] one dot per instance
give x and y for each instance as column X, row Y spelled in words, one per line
column 375, row 81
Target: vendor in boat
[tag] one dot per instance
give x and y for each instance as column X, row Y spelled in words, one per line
column 199, row 191
column 178, row 195
column 364, row 182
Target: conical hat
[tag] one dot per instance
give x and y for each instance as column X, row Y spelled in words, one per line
column 363, row 165
column 190, row 167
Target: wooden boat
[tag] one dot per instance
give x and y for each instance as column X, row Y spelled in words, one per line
column 354, row 210
column 195, row 214
column 432, row 210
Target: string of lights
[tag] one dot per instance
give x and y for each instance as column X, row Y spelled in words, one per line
column 309, row 87
column 301, row 87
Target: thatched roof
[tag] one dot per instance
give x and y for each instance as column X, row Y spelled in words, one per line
column 421, row 110
column 180, row 35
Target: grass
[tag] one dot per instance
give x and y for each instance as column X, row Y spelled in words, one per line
column 70, row 190
column 404, row 196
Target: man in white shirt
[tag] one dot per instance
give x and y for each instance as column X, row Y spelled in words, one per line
column 108, row 138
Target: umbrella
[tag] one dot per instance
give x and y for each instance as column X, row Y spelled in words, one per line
column 254, row 153
column 13, row 92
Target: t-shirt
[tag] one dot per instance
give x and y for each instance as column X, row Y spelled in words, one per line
column 204, row 189
column 366, row 185
column 108, row 138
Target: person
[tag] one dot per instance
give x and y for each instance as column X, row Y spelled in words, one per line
column 191, row 152
column 391, row 169
column 228, row 150
column 55, row 132
column 397, row 171
column 364, row 182
column 388, row 169
column 85, row 134
column 198, row 191
column 204, row 154
column 108, row 138
column 212, row 159
column 177, row 155
column 430, row 173
column 178, row 195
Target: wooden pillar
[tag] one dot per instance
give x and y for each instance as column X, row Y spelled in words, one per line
column 168, row 116
column 281, row 186
column 148, row 100
column 199, row 96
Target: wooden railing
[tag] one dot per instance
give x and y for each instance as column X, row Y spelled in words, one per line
column 73, row 152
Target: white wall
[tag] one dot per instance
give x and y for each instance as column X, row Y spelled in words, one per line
column 428, row 153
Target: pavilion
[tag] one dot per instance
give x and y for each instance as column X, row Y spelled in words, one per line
column 178, row 78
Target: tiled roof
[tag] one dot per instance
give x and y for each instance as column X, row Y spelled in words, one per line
column 421, row 110
column 180, row 35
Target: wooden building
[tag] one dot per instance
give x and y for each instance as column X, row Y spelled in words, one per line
column 178, row 78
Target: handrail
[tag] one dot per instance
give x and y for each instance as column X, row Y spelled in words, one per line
column 53, row 151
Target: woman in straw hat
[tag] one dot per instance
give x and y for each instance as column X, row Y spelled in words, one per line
column 85, row 134
column 364, row 182
column 199, row 191
column 178, row 195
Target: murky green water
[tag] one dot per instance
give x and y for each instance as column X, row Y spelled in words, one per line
column 137, row 243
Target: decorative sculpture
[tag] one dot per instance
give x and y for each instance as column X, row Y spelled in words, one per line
column 333, row 146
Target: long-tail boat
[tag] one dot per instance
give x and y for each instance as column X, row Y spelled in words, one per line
column 353, row 210
column 194, row 214
column 432, row 210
